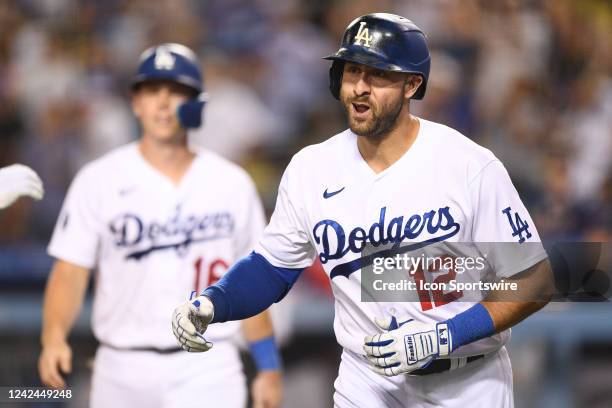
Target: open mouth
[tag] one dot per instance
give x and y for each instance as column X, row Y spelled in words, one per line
column 360, row 107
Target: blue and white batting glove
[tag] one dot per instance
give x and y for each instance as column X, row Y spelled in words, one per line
column 189, row 322
column 407, row 346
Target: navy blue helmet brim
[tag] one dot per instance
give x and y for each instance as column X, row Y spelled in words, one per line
column 158, row 76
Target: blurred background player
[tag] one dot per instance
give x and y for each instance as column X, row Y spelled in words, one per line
column 16, row 181
column 156, row 221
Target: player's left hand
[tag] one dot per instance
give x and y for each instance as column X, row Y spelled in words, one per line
column 407, row 346
column 267, row 389
column 19, row 180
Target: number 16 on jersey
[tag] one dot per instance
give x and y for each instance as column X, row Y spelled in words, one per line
column 213, row 272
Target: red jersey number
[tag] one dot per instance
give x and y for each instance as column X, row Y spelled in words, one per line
column 214, row 272
column 430, row 298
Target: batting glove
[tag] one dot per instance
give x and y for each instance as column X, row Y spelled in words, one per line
column 189, row 322
column 407, row 346
column 19, row 180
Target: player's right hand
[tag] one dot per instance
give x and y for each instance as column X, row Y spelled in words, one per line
column 53, row 359
column 19, row 180
column 189, row 322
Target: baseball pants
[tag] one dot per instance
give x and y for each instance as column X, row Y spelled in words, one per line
column 482, row 383
column 125, row 378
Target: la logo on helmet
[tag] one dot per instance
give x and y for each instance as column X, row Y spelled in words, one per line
column 164, row 59
column 363, row 34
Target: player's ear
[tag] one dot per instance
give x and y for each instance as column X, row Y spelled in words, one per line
column 412, row 84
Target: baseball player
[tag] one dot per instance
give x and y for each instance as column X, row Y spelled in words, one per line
column 391, row 179
column 156, row 221
column 19, row 180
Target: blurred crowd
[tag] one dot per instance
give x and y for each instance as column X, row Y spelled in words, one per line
column 529, row 79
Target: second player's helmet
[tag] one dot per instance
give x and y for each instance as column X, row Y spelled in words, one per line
column 384, row 41
column 172, row 62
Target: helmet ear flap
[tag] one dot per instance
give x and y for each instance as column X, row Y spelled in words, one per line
column 335, row 78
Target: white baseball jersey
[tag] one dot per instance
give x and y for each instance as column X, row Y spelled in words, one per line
column 444, row 188
column 153, row 242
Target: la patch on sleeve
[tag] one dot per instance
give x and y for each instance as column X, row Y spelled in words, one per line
column 519, row 227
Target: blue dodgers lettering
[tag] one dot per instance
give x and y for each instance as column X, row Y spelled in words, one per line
column 414, row 227
column 331, row 236
column 357, row 240
column 379, row 227
column 141, row 238
column 324, row 240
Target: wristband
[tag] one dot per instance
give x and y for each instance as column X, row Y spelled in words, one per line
column 265, row 354
column 473, row 324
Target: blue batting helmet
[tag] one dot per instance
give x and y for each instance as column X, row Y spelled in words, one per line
column 384, row 41
column 172, row 62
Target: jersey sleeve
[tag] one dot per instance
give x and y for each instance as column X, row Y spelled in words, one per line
column 502, row 228
column 251, row 222
column 77, row 231
column 285, row 242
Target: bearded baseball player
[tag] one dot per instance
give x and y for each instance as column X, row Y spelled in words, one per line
column 157, row 221
column 391, row 178
column 17, row 181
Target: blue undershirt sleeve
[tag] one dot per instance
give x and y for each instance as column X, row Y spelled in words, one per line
column 250, row 286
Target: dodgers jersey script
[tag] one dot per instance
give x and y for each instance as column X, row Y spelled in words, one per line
column 444, row 188
column 153, row 242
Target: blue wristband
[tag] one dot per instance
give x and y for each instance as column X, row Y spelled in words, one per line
column 265, row 354
column 473, row 324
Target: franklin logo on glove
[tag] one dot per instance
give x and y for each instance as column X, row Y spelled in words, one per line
column 407, row 346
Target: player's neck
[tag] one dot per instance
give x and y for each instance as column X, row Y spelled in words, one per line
column 381, row 153
column 169, row 158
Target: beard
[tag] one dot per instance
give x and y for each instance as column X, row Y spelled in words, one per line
column 382, row 121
